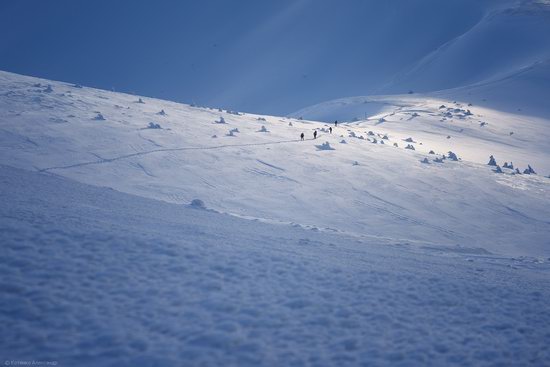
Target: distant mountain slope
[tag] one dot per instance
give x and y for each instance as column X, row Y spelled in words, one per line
column 508, row 39
column 269, row 57
column 501, row 63
column 524, row 91
column 499, row 69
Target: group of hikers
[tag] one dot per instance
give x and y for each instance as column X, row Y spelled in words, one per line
column 315, row 131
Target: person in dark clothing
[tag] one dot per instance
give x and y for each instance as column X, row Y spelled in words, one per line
column 336, row 123
column 302, row 136
column 330, row 129
column 315, row 134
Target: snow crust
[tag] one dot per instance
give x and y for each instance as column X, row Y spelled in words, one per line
column 95, row 277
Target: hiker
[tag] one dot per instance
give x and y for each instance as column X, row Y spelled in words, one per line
column 335, row 123
column 330, row 129
column 302, row 136
column 315, row 134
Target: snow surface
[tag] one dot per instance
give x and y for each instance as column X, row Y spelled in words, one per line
column 509, row 117
column 95, row 277
column 521, row 136
column 124, row 244
column 278, row 178
column 512, row 35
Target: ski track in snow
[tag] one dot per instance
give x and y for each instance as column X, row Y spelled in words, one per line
column 126, row 156
column 270, row 165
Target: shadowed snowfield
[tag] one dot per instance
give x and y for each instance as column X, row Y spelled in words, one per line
column 141, row 232
column 92, row 276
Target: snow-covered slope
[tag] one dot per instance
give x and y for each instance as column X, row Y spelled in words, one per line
column 510, row 37
column 508, row 118
column 441, row 124
column 522, row 92
column 95, row 277
column 349, row 252
column 502, row 62
column 361, row 188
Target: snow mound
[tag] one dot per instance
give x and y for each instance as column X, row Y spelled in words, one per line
column 99, row 117
column 452, row 156
column 197, row 203
column 324, row 146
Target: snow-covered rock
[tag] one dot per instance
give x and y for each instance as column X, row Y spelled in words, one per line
column 452, row 156
column 324, row 146
column 232, row 132
column 197, row 203
column 99, row 117
column 529, row 170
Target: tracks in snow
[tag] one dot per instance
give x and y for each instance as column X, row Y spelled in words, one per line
column 126, row 156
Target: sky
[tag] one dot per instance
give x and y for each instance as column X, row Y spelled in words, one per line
column 271, row 57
